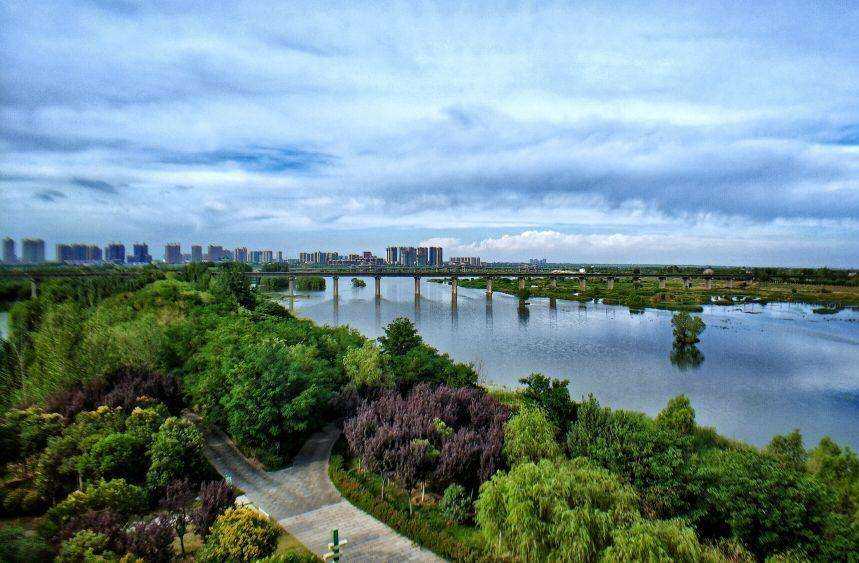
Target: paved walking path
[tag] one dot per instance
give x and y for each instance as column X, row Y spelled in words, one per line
column 305, row 502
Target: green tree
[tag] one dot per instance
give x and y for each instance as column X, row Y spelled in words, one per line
column 678, row 416
column 554, row 510
column 552, row 396
column 839, row 468
column 400, row 337
column 529, row 436
column 364, row 367
column 86, row 546
column 231, row 283
column 789, row 450
column 176, row 452
column 769, row 507
column 687, row 328
column 654, row 540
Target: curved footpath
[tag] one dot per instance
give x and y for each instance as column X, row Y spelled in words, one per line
column 305, row 502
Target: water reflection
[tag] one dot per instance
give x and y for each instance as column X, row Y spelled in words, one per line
column 686, row 357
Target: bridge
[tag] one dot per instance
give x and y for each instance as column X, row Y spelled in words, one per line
column 489, row 274
column 35, row 276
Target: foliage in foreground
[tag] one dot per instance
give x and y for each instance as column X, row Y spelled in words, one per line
column 240, row 534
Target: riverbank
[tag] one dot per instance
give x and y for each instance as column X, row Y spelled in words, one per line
column 674, row 296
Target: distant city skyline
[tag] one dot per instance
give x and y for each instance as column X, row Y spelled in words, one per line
column 686, row 133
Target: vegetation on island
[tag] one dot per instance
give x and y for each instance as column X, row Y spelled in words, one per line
column 110, row 386
column 646, row 293
column 358, row 282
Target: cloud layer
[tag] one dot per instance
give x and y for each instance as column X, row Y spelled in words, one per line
column 648, row 133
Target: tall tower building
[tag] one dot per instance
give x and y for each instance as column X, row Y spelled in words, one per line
column 173, row 253
column 140, row 254
column 33, row 251
column 9, row 256
column 435, row 256
column 241, row 254
column 215, row 253
column 196, row 253
column 391, row 255
column 422, row 256
column 115, row 252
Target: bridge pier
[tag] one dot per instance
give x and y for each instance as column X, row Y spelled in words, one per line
column 521, row 283
column 709, row 283
column 336, row 284
column 662, row 282
column 609, row 282
column 453, row 281
column 292, row 286
column 378, row 287
column 553, row 283
column 489, row 288
column 687, row 282
column 583, row 284
column 417, row 287
column 34, row 289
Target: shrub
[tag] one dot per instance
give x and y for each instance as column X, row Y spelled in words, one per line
column 152, row 541
column 240, row 534
column 529, row 436
column 678, row 416
column 554, row 510
column 85, row 546
column 456, row 503
column 116, row 495
column 117, row 455
column 215, row 498
column 16, row 546
column 123, row 387
column 176, row 452
column 106, row 522
column 437, row 435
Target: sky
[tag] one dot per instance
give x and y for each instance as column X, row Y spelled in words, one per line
column 598, row 132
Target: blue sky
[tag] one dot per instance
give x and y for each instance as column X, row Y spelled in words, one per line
column 636, row 132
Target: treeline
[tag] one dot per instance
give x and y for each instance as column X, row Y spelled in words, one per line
column 302, row 283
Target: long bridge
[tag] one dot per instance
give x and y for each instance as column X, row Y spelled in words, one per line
column 453, row 274
column 35, row 276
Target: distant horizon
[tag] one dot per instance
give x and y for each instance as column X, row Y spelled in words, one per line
column 159, row 257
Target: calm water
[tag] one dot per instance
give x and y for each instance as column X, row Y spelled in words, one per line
column 767, row 370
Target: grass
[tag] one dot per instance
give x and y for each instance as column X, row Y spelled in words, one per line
column 426, row 525
column 288, row 546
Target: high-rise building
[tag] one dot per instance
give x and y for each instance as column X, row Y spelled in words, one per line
column 9, row 256
column 256, row 256
column 267, row 257
column 305, row 257
column 173, row 253
column 391, row 255
column 423, row 256
column 435, row 256
column 473, row 261
column 93, row 253
column 79, row 252
column 115, row 252
column 63, row 252
column 241, row 254
column 280, row 256
column 196, row 253
column 408, row 256
column 215, row 253
column 140, row 253
column 32, row 251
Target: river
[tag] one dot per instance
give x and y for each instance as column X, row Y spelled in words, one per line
column 766, row 370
